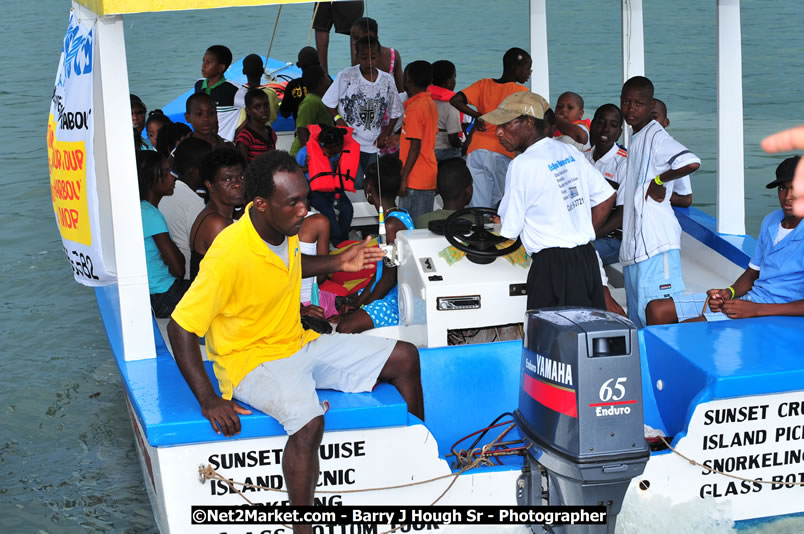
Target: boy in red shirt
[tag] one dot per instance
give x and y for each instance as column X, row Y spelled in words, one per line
column 417, row 144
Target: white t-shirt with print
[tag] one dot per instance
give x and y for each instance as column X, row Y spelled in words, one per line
column 362, row 104
column 549, row 193
column 650, row 227
column 612, row 167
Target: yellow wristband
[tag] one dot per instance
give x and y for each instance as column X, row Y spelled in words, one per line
column 732, row 291
column 337, row 117
column 658, row 180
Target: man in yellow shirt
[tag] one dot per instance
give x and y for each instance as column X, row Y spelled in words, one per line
column 245, row 300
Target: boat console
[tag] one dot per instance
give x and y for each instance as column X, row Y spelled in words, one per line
column 441, row 290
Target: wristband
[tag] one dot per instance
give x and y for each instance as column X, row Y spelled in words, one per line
column 732, row 291
column 658, row 180
column 337, row 117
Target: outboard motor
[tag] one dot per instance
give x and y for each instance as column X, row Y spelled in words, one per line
column 580, row 403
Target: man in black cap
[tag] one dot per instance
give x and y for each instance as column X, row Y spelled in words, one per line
column 554, row 199
column 773, row 283
column 295, row 91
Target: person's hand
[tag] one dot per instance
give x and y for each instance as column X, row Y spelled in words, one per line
column 403, row 186
column 381, row 140
column 495, row 219
column 313, row 311
column 480, row 125
column 360, row 256
column 222, row 415
column 717, row 297
column 656, row 192
column 611, row 304
column 740, row 309
column 392, row 142
column 790, row 139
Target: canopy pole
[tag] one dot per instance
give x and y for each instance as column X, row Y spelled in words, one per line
column 540, row 77
column 633, row 47
column 730, row 159
column 116, row 168
column 633, row 39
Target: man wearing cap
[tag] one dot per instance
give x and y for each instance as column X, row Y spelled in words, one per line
column 554, row 198
column 295, row 91
column 773, row 283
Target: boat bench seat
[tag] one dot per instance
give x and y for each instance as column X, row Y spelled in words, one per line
column 698, row 362
column 170, row 415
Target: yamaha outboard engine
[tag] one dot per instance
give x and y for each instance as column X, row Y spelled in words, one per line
column 580, row 403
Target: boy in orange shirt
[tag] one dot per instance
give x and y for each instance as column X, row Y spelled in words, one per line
column 417, row 144
column 486, row 158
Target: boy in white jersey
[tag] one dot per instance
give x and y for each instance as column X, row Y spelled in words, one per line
column 609, row 158
column 650, row 251
column 682, row 189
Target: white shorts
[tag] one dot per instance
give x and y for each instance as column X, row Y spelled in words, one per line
column 285, row 388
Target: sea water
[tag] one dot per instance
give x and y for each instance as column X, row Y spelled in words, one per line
column 67, row 456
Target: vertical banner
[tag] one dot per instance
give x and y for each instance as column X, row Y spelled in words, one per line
column 70, row 132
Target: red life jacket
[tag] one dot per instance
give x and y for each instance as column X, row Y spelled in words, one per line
column 322, row 176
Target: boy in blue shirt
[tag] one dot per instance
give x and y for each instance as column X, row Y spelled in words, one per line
column 773, row 283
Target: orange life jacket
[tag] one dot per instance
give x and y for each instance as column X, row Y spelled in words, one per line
column 322, row 176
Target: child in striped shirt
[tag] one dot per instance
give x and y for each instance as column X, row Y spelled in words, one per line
column 256, row 136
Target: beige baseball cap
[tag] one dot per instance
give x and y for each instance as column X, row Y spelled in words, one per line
column 514, row 105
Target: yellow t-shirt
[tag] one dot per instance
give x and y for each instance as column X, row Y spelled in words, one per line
column 246, row 301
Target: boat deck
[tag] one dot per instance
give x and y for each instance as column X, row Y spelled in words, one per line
column 170, row 415
column 743, row 359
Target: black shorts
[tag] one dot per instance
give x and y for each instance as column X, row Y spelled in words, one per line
column 341, row 14
column 565, row 277
column 162, row 304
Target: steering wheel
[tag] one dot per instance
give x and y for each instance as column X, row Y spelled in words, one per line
column 479, row 244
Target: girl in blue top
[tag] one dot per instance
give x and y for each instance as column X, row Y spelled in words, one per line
column 163, row 259
column 379, row 302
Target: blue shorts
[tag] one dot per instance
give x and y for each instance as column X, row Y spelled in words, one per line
column 385, row 311
column 658, row 277
column 690, row 306
column 488, row 170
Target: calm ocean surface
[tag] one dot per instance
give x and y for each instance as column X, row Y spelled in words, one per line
column 67, row 456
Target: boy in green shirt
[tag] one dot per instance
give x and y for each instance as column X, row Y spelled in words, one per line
column 311, row 110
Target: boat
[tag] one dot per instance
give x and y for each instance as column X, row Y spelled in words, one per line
column 727, row 396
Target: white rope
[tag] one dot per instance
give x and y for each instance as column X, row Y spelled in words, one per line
column 312, row 21
column 273, row 34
